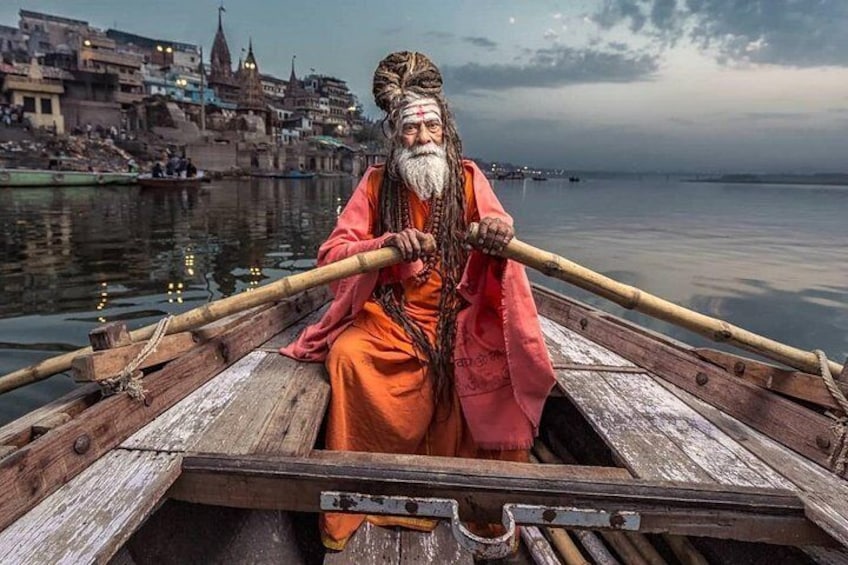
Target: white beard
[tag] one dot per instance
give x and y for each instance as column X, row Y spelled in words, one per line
column 424, row 169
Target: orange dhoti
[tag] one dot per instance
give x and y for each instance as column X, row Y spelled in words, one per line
column 382, row 398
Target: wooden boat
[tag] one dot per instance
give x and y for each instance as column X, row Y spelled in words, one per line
column 148, row 181
column 651, row 451
column 31, row 178
column 539, row 178
column 510, row 175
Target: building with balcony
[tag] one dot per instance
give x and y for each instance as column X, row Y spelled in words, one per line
column 38, row 95
column 274, row 88
column 99, row 54
column 174, row 55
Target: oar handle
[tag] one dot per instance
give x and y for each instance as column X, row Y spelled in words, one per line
column 633, row 298
column 289, row 286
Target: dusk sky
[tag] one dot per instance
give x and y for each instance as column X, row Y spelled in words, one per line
column 628, row 85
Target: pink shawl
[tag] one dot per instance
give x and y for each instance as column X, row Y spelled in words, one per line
column 502, row 369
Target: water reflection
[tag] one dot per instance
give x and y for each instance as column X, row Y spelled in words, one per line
column 73, row 258
column 770, row 259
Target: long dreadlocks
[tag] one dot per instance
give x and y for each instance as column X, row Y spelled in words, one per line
column 397, row 77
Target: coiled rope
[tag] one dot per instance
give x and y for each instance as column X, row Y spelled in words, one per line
column 130, row 379
column 839, row 457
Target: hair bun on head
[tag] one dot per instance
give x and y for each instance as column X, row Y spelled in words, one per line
column 403, row 72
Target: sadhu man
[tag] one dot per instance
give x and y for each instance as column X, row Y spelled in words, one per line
column 441, row 355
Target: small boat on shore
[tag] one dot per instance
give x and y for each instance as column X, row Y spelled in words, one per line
column 649, row 451
column 149, row 181
column 32, row 178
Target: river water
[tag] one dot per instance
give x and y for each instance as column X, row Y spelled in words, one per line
column 772, row 259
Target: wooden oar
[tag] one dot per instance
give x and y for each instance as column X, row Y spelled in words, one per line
column 283, row 288
column 634, row 299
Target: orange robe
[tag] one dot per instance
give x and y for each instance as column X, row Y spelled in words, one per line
column 382, row 399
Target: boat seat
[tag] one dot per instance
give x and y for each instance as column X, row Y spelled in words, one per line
column 264, row 403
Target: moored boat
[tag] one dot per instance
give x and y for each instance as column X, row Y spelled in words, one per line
column 149, row 181
column 30, row 178
column 642, row 436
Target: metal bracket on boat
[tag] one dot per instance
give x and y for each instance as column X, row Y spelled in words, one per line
column 481, row 547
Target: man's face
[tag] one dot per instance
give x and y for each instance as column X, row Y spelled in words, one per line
column 421, row 133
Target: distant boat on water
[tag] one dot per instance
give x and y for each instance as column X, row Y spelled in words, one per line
column 149, row 181
column 511, row 175
column 32, row 178
column 539, row 177
column 573, row 179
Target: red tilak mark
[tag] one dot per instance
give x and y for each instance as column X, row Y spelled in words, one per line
column 420, row 111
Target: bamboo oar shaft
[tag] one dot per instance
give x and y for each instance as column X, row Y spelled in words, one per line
column 283, row 288
column 634, row 299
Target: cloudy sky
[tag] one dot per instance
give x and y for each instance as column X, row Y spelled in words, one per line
column 642, row 85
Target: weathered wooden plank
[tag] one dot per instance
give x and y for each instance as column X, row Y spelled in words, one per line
column 796, row 384
column 109, row 363
column 370, row 545
column 293, row 425
column 787, row 421
column 438, row 546
column 712, row 450
column 827, row 504
column 643, row 449
column 295, row 483
column 287, row 335
column 280, row 407
column 568, row 347
column 19, row 432
column 38, row 469
column 50, row 422
column 827, row 555
column 90, row 517
column 109, row 335
column 180, row 427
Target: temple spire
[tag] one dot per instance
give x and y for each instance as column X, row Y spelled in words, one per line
column 293, row 77
column 221, row 9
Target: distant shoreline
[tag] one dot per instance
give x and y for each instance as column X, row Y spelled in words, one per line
column 825, row 179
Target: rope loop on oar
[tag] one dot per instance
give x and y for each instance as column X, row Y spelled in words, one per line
column 839, row 457
column 130, row 379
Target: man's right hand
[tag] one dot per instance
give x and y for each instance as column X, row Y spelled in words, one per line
column 412, row 244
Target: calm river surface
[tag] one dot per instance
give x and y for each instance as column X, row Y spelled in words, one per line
column 772, row 259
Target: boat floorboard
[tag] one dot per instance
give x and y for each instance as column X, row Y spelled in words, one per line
column 392, row 546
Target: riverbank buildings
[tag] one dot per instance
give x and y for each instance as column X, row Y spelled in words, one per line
column 70, row 76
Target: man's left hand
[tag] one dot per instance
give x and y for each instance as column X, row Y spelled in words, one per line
column 493, row 235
